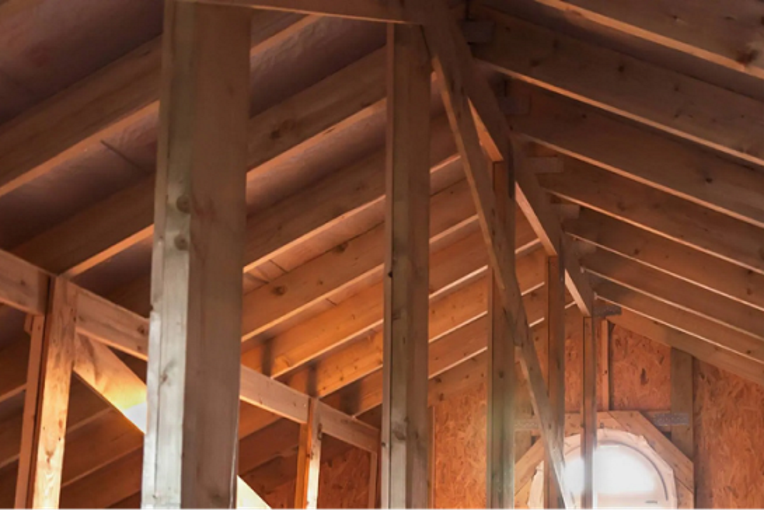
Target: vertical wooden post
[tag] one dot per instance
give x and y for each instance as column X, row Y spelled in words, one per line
column 603, row 365
column 589, row 412
column 681, row 400
column 501, row 360
column 373, row 479
column 46, row 405
column 404, row 407
column 309, row 459
column 431, row 459
column 555, row 282
column 199, row 217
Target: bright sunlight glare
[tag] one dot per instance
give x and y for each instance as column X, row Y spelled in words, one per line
column 619, row 471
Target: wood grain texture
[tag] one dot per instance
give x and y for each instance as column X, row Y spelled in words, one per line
column 48, row 429
column 309, row 459
column 200, row 215
column 404, row 421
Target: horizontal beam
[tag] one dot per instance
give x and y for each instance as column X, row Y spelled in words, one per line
column 349, row 429
column 386, row 11
column 22, row 285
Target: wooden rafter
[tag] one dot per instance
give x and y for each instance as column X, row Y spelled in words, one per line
column 682, row 27
column 661, row 98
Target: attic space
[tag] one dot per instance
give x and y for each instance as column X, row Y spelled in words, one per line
column 381, row 254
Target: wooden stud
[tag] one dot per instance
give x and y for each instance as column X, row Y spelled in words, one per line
column 603, row 365
column 589, row 412
column 431, row 458
column 47, row 400
column 309, row 459
column 555, row 282
column 404, row 421
column 682, row 400
column 199, row 217
column 500, row 477
column 373, row 479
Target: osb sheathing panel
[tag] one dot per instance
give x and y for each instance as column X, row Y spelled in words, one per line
column 640, row 372
column 729, row 427
column 460, row 446
column 343, row 483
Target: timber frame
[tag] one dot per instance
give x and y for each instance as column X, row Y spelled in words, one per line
column 573, row 155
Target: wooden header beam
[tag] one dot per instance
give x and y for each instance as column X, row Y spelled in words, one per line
column 385, row 11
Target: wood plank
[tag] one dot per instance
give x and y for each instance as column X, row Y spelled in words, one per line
column 682, row 400
column 635, row 423
column 309, row 459
column 200, row 214
column 386, row 11
column 603, row 365
column 704, row 351
column 442, row 39
column 373, row 479
column 661, row 98
column 660, row 213
column 555, row 283
column 589, row 412
column 31, row 397
column 333, row 105
column 22, row 285
column 44, row 432
column 348, row 429
column 706, row 271
column 719, row 336
column 500, row 477
column 679, row 293
column 721, row 33
column 404, row 416
column 640, row 154
column 103, row 372
column 458, row 75
column 262, row 391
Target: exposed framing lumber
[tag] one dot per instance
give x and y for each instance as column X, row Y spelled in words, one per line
column 458, row 75
column 500, row 476
column 386, row 11
column 309, row 459
column 555, row 285
column 200, row 216
column 682, row 400
column 639, row 322
column 589, row 411
column 664, row 99
column 678, row 260
column 404, row 408
column 744, row 319
column 103, row 372
column 332, row 105
column 22, row 285
column 603, row 365
column 730, row 344
column 680, row 27
column 662, row 214
column 644, row 155
column 39, row 482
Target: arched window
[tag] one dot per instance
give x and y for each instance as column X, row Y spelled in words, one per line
column 629, row 473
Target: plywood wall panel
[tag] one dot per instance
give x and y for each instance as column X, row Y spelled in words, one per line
column 460, row 449
column 729, row 427
column 640, row 373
